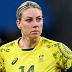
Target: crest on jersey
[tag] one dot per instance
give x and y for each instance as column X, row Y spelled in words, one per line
column 41, row 57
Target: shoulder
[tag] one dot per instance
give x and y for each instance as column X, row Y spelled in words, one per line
column 56, row 45
column 49, row 42
column 6, row 47
column 9, row 44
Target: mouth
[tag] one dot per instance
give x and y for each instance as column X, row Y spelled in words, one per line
column 35, row 31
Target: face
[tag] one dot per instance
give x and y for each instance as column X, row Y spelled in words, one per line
column 31, row 23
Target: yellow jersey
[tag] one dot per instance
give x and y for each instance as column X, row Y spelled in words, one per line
column 47, row 56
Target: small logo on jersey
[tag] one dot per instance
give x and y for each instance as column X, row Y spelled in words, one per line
column 14, row 61
column 41, row 57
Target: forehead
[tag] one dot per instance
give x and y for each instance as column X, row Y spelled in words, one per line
column 31, row 12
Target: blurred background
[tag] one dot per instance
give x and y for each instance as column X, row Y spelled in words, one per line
column 57, row 16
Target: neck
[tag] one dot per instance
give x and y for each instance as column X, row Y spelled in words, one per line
column 27, row 43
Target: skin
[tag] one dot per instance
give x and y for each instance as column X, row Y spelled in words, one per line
column 31, row 25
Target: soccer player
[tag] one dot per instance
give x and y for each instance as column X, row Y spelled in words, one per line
column 31, row 52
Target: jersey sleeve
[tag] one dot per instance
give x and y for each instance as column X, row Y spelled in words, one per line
column 66, row 58
column 2, row 68
column 1, row 64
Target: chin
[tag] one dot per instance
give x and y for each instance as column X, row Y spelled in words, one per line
column 35, row 36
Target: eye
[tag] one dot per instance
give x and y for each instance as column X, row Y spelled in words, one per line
column 39, row 19
column 29, row 20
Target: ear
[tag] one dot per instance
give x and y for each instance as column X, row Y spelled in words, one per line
column 18, row 24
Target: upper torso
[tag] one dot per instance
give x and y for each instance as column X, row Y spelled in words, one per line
column 45, row 57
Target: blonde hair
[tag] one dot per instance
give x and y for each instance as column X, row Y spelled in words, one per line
column 24, row 6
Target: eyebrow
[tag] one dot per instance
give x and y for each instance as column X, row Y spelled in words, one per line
column 28, row 17
column 36, row 17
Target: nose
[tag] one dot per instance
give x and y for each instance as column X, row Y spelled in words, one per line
column 35, row 24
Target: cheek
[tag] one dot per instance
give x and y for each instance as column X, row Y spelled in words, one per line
column 25, row 28
column 23, row 25
column 41, row 25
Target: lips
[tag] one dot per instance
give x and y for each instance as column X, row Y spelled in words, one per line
column 35, row 31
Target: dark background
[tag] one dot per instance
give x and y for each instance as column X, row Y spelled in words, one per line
column 57, row 16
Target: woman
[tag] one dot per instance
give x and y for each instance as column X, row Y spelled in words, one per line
column 31, row 52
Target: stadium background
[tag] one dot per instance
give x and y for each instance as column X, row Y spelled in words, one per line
column 57, row 16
